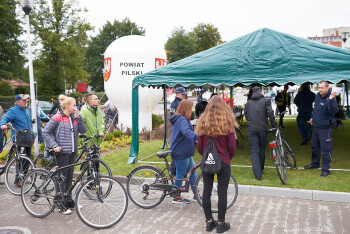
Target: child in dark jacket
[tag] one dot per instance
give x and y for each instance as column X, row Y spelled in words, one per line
column 182, row 144
column 217, row 122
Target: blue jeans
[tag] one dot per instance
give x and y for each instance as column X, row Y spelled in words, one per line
column 257, row 143
column 182, row 167
column 303, row 125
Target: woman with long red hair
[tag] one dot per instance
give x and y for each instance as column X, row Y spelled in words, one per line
column 217, row 122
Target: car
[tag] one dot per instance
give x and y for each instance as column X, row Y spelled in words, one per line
column 45, row 106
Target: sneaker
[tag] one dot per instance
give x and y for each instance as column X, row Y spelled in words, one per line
column 222, row 227
column 65, row 212
column 70, row 205
column 180, row 200
column 211, row 225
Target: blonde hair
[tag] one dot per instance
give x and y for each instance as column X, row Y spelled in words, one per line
column 185, row 108
column 217, row 119
column 66, row 101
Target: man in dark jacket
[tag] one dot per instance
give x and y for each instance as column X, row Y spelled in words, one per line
column 304, row 100
column 257, row 112
column 323, row 122
column 282, row 101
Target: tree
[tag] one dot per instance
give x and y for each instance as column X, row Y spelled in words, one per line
column 94, row 62
column 206, row 36
column 62, row 35
column 6, row 89
column 179, row 45
column 11, row 48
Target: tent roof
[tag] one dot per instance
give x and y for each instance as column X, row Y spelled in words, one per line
column 264, row 56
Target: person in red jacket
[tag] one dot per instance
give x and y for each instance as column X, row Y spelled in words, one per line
column 217, row 122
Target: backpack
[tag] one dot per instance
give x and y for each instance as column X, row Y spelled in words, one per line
column 211, row 163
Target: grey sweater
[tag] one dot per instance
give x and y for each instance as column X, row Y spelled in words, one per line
column 58, row 132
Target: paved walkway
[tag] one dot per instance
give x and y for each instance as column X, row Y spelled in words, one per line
column 250, row 214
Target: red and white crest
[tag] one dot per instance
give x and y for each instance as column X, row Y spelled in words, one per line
column 159, row 63
column 108, row 68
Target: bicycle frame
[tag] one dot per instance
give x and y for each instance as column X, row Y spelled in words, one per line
column 172, row 179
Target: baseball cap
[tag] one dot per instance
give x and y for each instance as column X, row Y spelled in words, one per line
column 256, row 89
column 181, row 90
column 22, row 97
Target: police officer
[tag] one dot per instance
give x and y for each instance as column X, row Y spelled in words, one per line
column 323, row 122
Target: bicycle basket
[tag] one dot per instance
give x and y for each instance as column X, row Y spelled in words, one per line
column 25, row 138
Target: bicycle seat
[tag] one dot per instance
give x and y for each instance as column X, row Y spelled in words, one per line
column 163, row 154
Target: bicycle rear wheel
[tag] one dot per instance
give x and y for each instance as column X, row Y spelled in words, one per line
column 281, row 167
column 289, row 155
column 107, row 208
column 140, row 186
column 232, row 192
column 16, row 170
column 38, row 192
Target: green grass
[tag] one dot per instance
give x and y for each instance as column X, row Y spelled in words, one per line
column 301, row 179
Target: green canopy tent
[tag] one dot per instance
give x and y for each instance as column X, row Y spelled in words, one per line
column 264, row 57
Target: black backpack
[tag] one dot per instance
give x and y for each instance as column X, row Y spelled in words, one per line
column 211, row 163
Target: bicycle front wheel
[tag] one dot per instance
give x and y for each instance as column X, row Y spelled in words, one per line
column 281, row 167
column 16, row 170
column 140, row 186
column 106, row 209
column 103, row 169
column 289, row 155
column 232, row 192
column 38, row 192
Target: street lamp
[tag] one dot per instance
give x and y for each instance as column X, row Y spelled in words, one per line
column 27, row 6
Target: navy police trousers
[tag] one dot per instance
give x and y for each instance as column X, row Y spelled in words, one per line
column 321, row 141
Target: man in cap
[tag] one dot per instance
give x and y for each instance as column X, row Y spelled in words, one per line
column 257, row 112
column 20, row 119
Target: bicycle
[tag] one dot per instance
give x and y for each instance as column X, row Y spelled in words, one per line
column 101, row 201
column 17, row 166
column 281, row 154
column 148, row 185
column 101, row 166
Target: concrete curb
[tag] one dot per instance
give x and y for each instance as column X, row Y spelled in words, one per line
column 306, row 194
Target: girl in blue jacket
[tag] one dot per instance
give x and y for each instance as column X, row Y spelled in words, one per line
column 182, row 144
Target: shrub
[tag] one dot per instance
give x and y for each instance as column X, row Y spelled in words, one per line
column 156, row 121
column 22, row 89
column 6, row 89
column 118, row 133
column 109, row 137
column 3, row 154
column 77, row 95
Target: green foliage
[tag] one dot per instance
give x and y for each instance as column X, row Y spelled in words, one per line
column 22, row 89
column 76, row 95
column 97, row 46
column 62, row 35
column 6, row 89
column 11, row 47
column 103, row 96
column 156, row 121
column 179, row 45
column 3, row 155
column 206, row 36
column 109, row 136
column 117, row 133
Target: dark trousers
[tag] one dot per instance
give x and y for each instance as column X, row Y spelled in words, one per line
column 281, row 109
column 321, row 141
column 257, row 143
column 223, row 180
column 303, row 125
column 63, row 159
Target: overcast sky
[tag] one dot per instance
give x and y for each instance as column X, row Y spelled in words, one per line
column 233, row 18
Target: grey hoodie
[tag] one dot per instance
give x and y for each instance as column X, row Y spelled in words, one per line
column 257, row 111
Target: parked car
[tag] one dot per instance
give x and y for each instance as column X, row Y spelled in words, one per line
column 45, row 106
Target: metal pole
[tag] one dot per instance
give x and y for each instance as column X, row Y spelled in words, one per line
column 32, row 91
